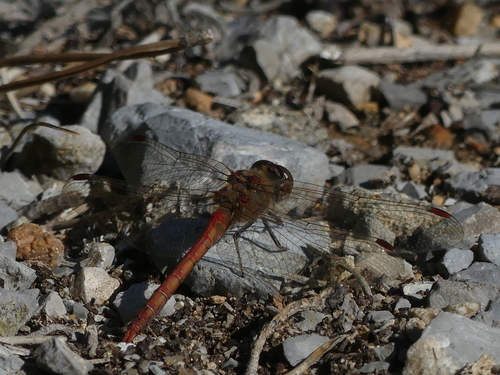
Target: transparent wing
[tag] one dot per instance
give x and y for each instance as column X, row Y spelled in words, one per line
column 149, row 163
column 169, row 200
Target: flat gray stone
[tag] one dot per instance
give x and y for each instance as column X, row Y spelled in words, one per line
column 62, row 155
column 129, row 302
column 16, row 191
column 14, row 275
column 52, row 305
column 349, row 85
column 478, row 219
column 414, row 190
column 374, row 367
column 17, row 308
column 448, row 292
column 297, row 125
column 281, row 46
column 94, row 284
column 191, row 132
column 9, row 362
column 56, row 357
column 220, row 82
column 7, row 214
column 311, row 320
column 401, row 96
column 340, row 115
column 361, row 174
column 426, row 157
column 489, row 248
column 322, row 22
column 448, row 343
column 479, row 272
column 116, row 91
column 380, row 316
column 300, row 347
column 485, row 124
column 455, row 260
column 471, row 186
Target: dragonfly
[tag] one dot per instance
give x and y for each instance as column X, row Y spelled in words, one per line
column 266, row 219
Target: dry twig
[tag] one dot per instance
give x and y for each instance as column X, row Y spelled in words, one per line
column 314, row 303
column 390, row 55
column 95, row 60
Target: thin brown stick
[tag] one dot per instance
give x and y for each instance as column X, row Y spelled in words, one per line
column 316, row 302
column 25, row 130
column 95, row 60
column 315, row 356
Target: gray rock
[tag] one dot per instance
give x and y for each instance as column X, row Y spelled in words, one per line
column 129, row 302
column 386, row 352
column 479, row 272
column 14, row 275
column 291, row 124
column 116, row 91
column 452, row 168
column 475, row 123
column 489, row 248
column 478, row 219
column 425, row 157
column 456, row 113
column 380, row 316
column 414, row 190
column 324, row 23
column 281, row 46
column 52, row 305
column 448, row 292
column 470, row 72
column 141, row 73
column 55, row 356
column 77, row 309
column 62, row 155
column 100, row 254
column 351, row 308
column 17, row 308
column 361, row 174
column 311, row 320
column 16, row 191
column 402, row 303
column 7, row 214
column 455, row 260
column 417, row 290
column 473, row 185
column 448, row 343
column 340, row 115
column 375, row 367
column 350, row 85
column 8, row 250
column 236, row 147
column 494, row 311
column 487, row 95
column 220, row 82
column 94, row 284
column 9, row 362
column 491, row 119
column 300, row 347
column 401, row 96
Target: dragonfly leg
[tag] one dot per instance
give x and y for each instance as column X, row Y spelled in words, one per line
column 235, row 239
column 273, row 237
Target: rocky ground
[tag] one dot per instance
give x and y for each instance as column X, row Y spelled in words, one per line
column 401, row 97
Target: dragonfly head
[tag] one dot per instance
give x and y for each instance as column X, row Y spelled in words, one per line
column 280, row 177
